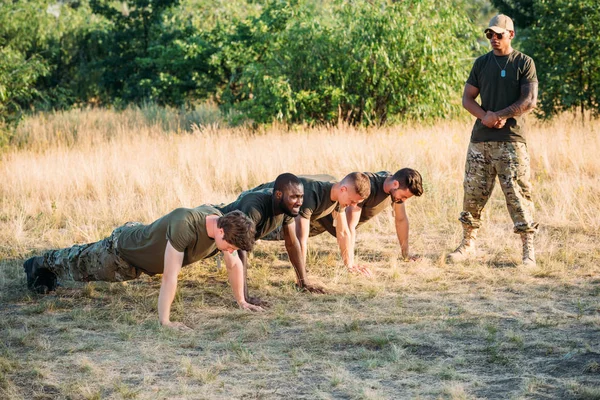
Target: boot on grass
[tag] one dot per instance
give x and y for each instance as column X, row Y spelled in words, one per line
column 39, row 278
column 466, row 248
column 528, row 250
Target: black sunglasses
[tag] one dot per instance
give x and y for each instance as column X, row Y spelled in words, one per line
column 490, row 35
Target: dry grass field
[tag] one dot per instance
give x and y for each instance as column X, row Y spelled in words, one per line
column 488, row 329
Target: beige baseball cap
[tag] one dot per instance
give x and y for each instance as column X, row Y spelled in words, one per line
column 500, row 24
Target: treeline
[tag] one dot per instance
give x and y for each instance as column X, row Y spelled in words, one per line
column 308, row 61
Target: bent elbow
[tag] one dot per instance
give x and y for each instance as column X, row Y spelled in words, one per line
column 533, row 104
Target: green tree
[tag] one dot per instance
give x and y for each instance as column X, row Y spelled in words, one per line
column 522, row 12
column 20, row 64
column 149, row 55
column 363, row 62
column 565, row 44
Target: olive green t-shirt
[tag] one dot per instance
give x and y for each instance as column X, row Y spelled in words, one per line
column 317, row 201
column 258, row 206
column 143, row 246
column 499, row 92
column 377, row 201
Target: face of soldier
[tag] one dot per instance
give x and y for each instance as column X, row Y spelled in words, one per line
column 348, row 197
column 500, row 41
column 399, row 196
column 291, row 200
column 222, row 244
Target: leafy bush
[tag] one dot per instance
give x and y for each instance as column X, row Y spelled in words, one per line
column 362, row 62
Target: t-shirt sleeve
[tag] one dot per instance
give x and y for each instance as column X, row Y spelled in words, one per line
column 287, row 220
column 308, row 205
column 253, row 213
column 473, row 79
column 529, row 74
column 306, row 210
column 180, row 232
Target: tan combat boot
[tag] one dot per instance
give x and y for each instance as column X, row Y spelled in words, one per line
column 466, row 249
column 528, row 250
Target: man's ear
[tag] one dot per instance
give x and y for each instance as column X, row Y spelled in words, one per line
column 278, row 194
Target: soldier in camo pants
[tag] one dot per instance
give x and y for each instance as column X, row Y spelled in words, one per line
column 506, row 82
column 98, row 261
column 510, row 162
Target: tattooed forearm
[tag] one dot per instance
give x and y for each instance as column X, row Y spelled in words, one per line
column 526, row 102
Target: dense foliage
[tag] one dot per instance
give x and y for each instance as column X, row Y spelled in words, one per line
column 563, row 38
column 308, row 61
column 296, row 61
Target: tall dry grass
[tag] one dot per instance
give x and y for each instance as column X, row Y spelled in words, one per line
column 417, row 330
column 77, row 175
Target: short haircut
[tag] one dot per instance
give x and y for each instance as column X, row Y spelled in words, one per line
column 410, row 179
column 360, row 182
column 284, row 180
column 238, row 230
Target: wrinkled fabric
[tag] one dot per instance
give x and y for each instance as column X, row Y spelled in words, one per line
column 510, row 162
column 98, row 261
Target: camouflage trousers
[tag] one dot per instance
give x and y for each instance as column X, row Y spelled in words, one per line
column 98, row 261
column 510, row 162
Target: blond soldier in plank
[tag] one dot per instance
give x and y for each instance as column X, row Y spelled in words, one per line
column 387, row 189
column 322, row 198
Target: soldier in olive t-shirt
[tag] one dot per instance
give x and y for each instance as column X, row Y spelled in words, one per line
column 260, row 207
column 181, row 237
column 269, row 212
column 497, row 94
column 143, row 246
column 322, row 198
column 505, row 80
column 317, row 201
column 386, row 189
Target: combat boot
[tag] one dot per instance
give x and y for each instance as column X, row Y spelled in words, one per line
column 528, row 249
column 39, row 278
column 466, row 249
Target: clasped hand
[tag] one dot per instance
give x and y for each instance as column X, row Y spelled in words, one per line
column 492, row 120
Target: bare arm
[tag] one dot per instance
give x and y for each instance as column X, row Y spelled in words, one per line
column 168, row 287
column 526, row 102
column 402, row 225
column 353, row 216
column 235, row 273
column 488, row 118
column 345, row 229
column 243, row 255
column 298, row 260
column 470, row 93
column 344, row 238
column 302, row 231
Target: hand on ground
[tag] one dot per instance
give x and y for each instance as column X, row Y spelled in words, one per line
column 250, row 307
column 308, row 287
column 361, row 269
column 179, row 326
column 257, row 302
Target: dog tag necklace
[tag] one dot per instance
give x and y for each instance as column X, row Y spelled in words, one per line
column 502, row 70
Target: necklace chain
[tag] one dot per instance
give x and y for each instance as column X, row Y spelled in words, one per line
column 502, row 70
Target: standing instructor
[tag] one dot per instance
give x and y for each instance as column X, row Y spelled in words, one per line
column 506, row 81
